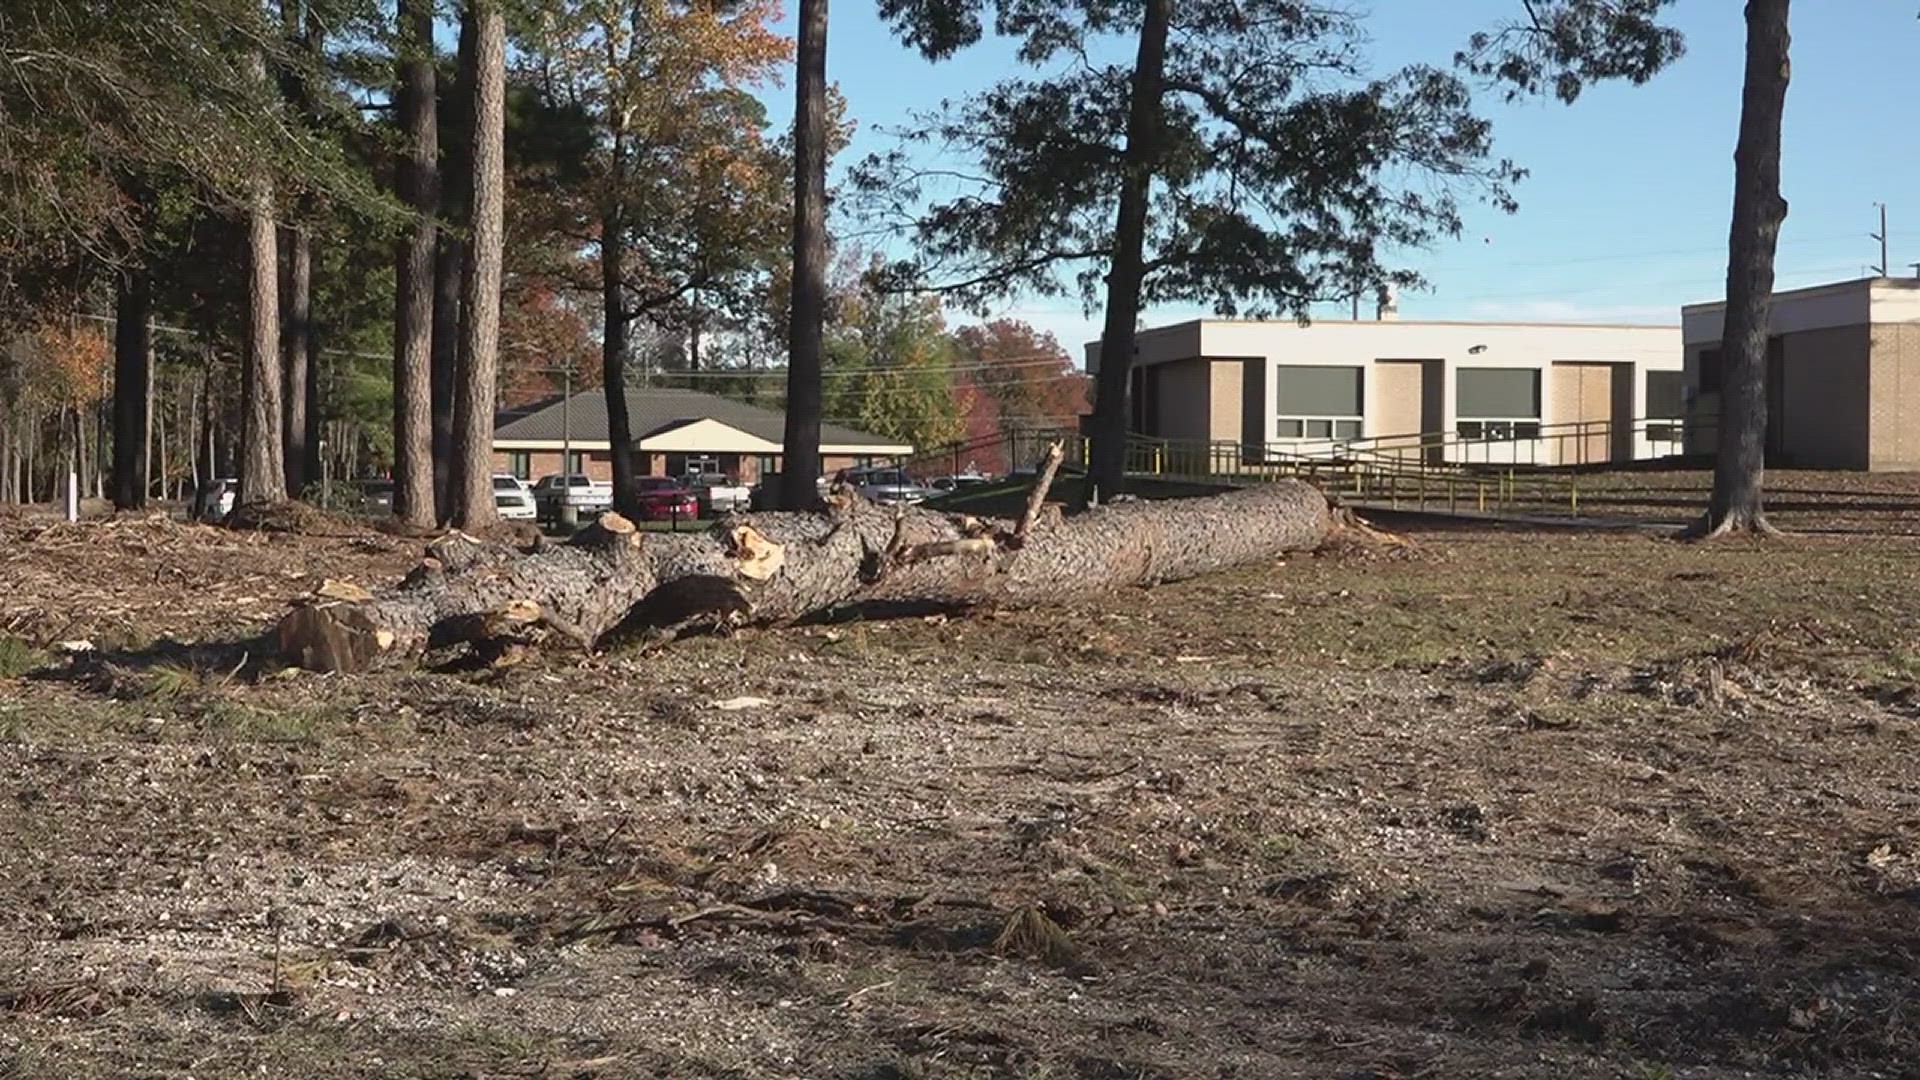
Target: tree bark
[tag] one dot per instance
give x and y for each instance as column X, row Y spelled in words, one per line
column 7, row 472
column 779, row 567
column 1739, row 469
column 415, row 266
column 473, row 505
column 806, row 324
column 450, row 259
column 132, row 387
column 1126, row 270
column 449, row 267
column 613, row 357
column 298, row 327
column 262, row 470
column 316, row 406
column 156, row 440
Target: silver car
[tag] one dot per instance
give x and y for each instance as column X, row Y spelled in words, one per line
column 888, row 485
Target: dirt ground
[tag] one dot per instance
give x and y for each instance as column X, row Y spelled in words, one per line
column 1807, row 500
column 1523, row 805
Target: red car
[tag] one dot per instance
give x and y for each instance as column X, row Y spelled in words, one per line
column 663, row 498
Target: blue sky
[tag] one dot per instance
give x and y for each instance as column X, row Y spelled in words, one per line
column 1624, row 216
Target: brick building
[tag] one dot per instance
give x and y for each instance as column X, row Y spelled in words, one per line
column 1843, row 375
column 675, row 431
column 1479, row 391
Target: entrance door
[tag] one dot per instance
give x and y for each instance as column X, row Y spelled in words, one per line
column 1406, row 407
column 1592, row 412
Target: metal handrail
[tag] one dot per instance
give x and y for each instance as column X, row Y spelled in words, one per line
column 1427, row 470
column 1547, row 449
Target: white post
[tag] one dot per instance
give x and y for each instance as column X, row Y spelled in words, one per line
column 566, row 428
column 73, row 490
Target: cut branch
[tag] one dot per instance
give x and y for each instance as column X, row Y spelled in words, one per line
column 1049, row 465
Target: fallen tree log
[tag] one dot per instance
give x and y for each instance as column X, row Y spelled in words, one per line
column 777, row 568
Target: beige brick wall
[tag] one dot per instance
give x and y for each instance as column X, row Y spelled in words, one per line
column 1398, row 405
column 1893, row 420
column 1224, row 412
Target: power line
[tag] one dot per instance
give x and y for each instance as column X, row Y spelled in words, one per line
column 165, row 329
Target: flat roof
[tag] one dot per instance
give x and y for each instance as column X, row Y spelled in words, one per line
column 1827, row 289
column 1406, row 322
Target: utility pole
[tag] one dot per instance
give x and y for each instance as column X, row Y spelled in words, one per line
column 1881, row 270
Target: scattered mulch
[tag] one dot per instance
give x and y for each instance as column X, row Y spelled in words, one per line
column 1551, row 804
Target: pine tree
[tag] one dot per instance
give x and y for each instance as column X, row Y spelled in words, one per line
column 472, row 475
column 800, row 468
column 1245, row 160
column 1739, row 469
column 419, row 183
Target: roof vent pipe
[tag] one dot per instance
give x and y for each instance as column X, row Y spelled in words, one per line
column 1386, row 306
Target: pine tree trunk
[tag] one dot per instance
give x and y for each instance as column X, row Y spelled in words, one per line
column 473, row 505
column 33, row 462
column 315, row 405
column 1127, row 267
column 856, row 558
column 450, row 260
column 7, row 477
column 157, row 451
column 156, row 428
column 413, row 314
column 262, row 469
column 613, row 356
column 1758, row 211
column 800, row 467
column 132, row 388
column 449, row 267
column 298, row 325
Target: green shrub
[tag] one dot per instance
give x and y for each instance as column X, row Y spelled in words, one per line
column 17, row 658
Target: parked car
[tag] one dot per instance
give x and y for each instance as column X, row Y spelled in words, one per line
column 718, row 493
column 216, row 498
column 513, row 498
column 959, row 482
column 584, row 496
column 376, row 496
column 887, row 485
column 662, row 498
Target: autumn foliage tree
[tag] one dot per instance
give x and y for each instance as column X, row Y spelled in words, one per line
column 680, row 191
column 1032, row 380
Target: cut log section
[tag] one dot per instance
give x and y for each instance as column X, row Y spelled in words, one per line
column 781, row 567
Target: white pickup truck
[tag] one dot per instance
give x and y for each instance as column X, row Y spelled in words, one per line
column 559, row 497
column 718, row 493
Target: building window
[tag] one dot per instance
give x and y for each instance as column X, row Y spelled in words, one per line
column 685, row 464
column 576, row 462
column 1666, row 405
column 1318, row 402
column 769, row 464
column 1497, row 403
column 1711, row 370
column 520, row 464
